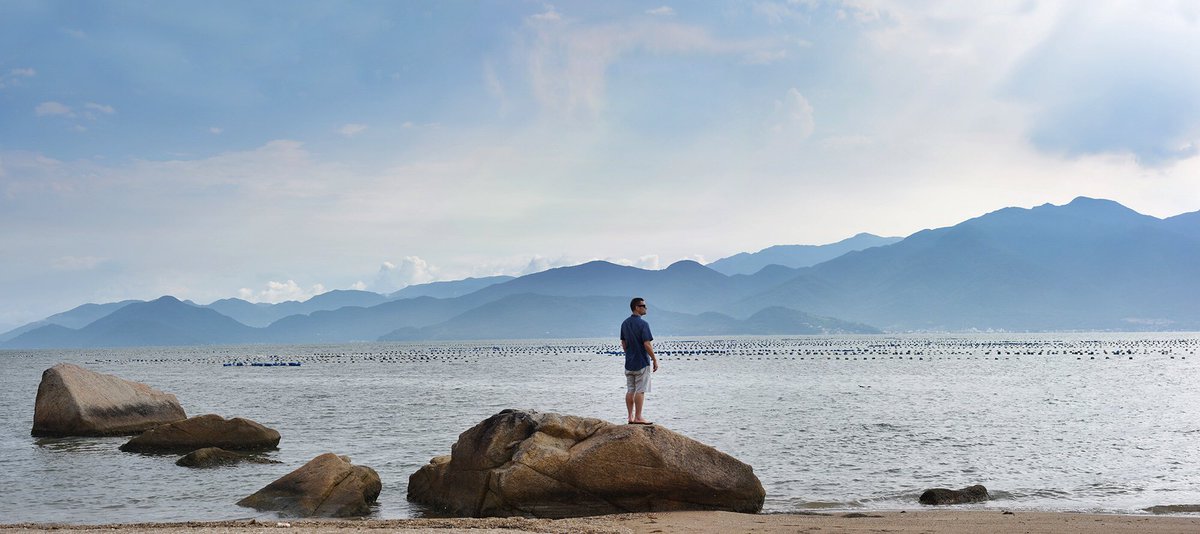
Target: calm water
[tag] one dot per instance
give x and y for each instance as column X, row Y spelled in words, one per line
column 1081, row 422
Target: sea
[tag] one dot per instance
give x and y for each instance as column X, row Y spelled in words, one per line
column 1088, row 422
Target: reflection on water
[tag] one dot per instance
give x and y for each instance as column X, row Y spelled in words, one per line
column 79, row 444
column 1088, row 422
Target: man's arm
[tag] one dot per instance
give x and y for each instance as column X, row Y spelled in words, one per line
column 650, row 351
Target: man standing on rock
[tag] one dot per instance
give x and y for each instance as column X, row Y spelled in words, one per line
column 640, row 361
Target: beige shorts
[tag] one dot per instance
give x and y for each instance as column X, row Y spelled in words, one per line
column 638, row 381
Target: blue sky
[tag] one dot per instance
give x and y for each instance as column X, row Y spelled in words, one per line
column 276, row 150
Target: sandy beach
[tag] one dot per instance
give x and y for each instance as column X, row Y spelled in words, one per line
column 923, row 521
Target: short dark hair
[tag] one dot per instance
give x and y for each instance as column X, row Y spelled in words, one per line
column 633, row 303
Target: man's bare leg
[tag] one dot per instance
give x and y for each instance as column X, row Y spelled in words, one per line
column 638, row 400
column 629, row 405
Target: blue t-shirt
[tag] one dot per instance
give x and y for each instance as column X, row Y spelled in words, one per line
column 635, row 332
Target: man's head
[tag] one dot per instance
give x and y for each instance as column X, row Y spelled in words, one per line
column 638, row 306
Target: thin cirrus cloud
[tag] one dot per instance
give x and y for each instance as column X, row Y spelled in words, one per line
column 351, row 130
column 53, row 109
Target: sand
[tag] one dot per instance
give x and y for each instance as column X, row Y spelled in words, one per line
column 922, row 521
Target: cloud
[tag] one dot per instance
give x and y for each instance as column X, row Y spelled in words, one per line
column 351, row 130
column 52, row 109
column 549, row 15
column 1116, row 80
column 24, row 73
column 276, row 292
column 568, row 62
column 793, row 117
column 663, row 11
column 215, row 130
column 411, row 270
column 107, row 110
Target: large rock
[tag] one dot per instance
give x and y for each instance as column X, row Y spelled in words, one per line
column 939, row 496
column 210, row 430
column 217, row 457
column 73, row 401
column 549, row 465
column 326, row 486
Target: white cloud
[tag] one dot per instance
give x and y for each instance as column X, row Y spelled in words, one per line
column 549, row 15
column 351, row 130
column 411, row 270
column 215, row 130
column 663, row 11
column 568, row 62
column 107, row 110
column 793, row 117
column 649, row 261
column 276, row 292
column 51, row 108
column 25, row 73
column 359, row 286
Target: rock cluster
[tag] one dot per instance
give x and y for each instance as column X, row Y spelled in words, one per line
column 549, row 465
column 327, row 486
column 205, row 431
column 73, row 401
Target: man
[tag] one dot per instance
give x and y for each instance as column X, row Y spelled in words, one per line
column 639, row 360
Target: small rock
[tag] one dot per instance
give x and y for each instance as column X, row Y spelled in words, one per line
column 217, row 457
column 326, row 486
column 205, row 431
column 940, row 496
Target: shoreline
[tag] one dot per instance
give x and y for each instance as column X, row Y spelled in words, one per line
column 919, row 521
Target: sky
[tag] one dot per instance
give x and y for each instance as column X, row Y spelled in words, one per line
column 277, row 150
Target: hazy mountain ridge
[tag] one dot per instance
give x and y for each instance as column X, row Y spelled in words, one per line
column 448, row 289
column 523, row 316
column 1089, row 264
column 75, row 318
column 796, row 256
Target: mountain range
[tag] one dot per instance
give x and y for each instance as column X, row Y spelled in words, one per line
column 1087, row 265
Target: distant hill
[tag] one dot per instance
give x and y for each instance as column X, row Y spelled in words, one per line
column 1087, row 265
column 260, row 314
column 165, row 321
column 1090, row 264
column 795, row 256
column 529, row 316
column 74, row 318
column 684, row 286
column 446, row 290
column 352, row 323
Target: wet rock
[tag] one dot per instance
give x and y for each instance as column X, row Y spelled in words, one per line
column 202, row 431
column 939, row 496
column 1174, row 509
column 73, row 401
column 525, row 463
column 217, row 457
column 326, row 486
